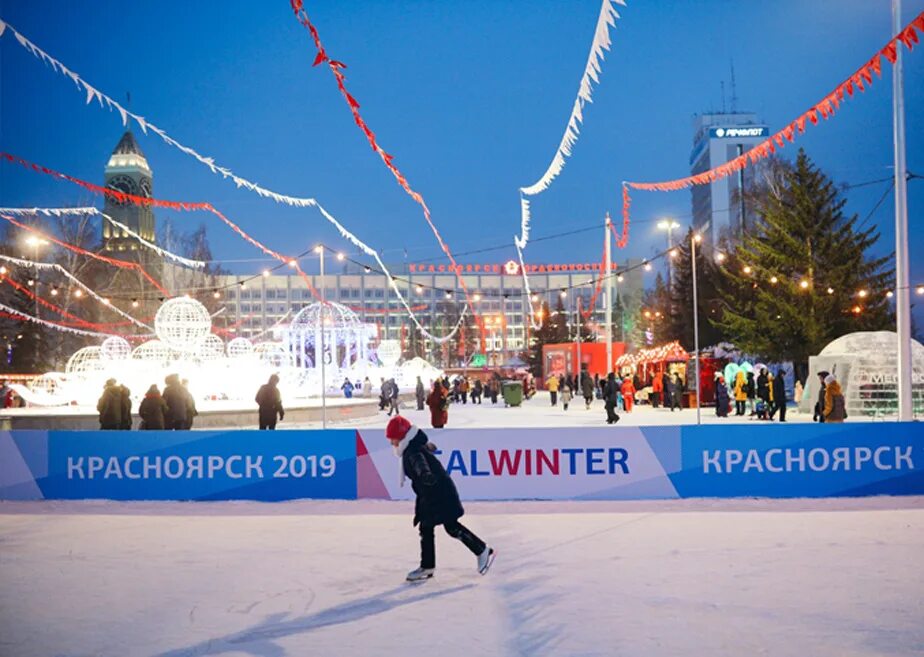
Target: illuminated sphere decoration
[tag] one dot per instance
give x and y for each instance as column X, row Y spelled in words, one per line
column 389, row 351
column 210, row 348
column 273, row 354
column 153, row 351
column 115, row 348
column 240, row 348
column 182, row 323
column 84, row 361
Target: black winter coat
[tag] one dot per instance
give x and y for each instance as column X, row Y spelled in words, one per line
column 779, row 390
column 152, row 410
column 437, row 498
column 611, row 391
column 110, row 408
column 175, row 397
column 763, row 387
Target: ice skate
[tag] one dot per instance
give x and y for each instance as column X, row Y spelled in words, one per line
column 420, row 574
column 485, row 559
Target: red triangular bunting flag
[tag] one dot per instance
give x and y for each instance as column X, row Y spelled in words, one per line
column 800, row 123
column 322, row 57
column 876, row 64
column 890, row 52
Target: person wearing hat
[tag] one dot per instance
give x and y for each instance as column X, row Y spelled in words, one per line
column 110, row 406
column 153, row 410
column 270, row 402
column 437, row 499
column 835, row 409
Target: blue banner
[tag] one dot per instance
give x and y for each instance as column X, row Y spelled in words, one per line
column 178, row 465
column 802, row 460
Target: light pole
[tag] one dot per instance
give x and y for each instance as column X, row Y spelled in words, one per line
column 607, row 297
column 319, row 249
column 669, row 225
column 902, row 291
column 696, row 239
column 35, row 243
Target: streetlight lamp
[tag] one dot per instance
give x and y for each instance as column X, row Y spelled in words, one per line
column 669, row 225
column 35, row 243
column 697, row 238
column 319, row 249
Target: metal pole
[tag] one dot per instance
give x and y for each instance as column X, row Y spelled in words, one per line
column 323, row 365
column 577, row 322
column 607, row 296
column 902, row 289
column 696, row 329
column 36, row 279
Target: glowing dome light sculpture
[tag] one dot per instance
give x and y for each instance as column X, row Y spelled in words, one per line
column 240, row 348
column 866, row 366
column 345, row 339
column 182, row 323
column 154, row 352
column 115, row 348
column 211, row 348
column 273, row 354
column 84, row 361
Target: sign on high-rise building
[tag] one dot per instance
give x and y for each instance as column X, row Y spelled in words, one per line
column 718, row 208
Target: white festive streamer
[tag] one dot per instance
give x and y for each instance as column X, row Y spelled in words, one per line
column 145, row 125
column 58, row 327
column 101, row 98
column 368, row 250
column 196, row 264
column 529, row 294
column 601, row 43
column 51, row 265
column 67, row 212
column 50, row 212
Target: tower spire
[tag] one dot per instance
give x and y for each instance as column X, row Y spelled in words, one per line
column 734, row 89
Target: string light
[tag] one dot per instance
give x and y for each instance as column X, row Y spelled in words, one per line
column 830, row 290
column 920, row 289
column 857, row 310
column 747, row 269
column 266, row 273
column 340, row 256
column 54, row 291
column 890, row 294
column 720, row 257
column 673, row 253
column 564, row 293
column 419, row 289
column 78, row 293
column 774, row 280
column 535, row 298
column 216, row 294
column 292, row 263
column 647, row 266
column 620, row 278
column 106, row 301
column 319, row 249
column 135, row 303
column 804, row 284
column 697, row 238
column 448, row 294
column 476, row 297
column 2, row 270
column 862, row 294
column 31, row 282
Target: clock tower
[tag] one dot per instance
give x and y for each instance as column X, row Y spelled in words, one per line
column 128, row 172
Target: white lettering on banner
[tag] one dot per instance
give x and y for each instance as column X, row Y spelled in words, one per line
column 74, row 467
column 818, row 459
column 238, row 466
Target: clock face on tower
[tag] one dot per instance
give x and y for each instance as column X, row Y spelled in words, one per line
column 145, row 188
column 124, row 184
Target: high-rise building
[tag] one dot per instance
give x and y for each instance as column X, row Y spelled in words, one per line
column 127, row 171
column 718, row 208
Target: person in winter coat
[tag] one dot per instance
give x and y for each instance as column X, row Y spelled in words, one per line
column 763, row 385
column 153, row 410
column 5, row 391
column 347, row 388
column 438, row 402
column 495, row 390
column 191, row 411
column 477, row 391
column 666, row 389
column 587, row 389
column 110, row 406
column 611, row 398
column 125, row 395
column 437, row 500
column 367, row 387
column 820, row 402
column 741, row 392
column 383, row 395
column 270, row 402
column 599, row 385
column 553, row 385
column 420, row 393
column 566, row 394
column 835, row 409
column 752, row 393
column 628, row 393
column 657, row 387
column 779, row 394
column 721, row 397
column 394, row 405
column 175, row 398
column 464, row 387
column 676, row 389
column 797, row 392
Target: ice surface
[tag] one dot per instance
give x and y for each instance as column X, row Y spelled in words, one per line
column 693, row 577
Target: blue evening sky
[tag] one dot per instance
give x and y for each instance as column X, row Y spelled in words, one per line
column 471, row 97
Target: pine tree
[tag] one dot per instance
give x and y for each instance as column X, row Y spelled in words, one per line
column 795, row 282
column 552, row 330
column 650, row 325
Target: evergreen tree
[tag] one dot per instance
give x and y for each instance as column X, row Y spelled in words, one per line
column 795, row 282
column 552, row 330
column 650, row 325
column 24, row 342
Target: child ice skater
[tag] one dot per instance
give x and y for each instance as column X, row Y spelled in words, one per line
column 437, row 499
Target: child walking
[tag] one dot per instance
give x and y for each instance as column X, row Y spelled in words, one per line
column 437, row 499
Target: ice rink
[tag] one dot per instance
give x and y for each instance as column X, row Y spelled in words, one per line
column 786, row 578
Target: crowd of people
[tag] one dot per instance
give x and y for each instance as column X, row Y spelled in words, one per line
column 174, row 409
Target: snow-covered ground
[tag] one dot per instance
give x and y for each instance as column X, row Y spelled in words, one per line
column 793, row 578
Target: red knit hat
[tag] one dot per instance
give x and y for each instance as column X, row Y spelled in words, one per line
column 397, row 428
